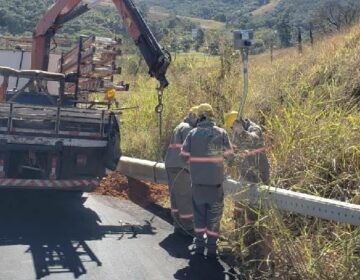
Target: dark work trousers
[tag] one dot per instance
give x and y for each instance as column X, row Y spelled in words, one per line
column 208, row 205
column 180, row 198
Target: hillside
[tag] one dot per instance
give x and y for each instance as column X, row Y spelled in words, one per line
column 173, row 22
column 208, row 24
column 245, row 13
column 266, row 8
column 209, row 9
column 17, row 16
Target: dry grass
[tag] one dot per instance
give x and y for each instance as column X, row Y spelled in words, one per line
column 160, row 14
column 308, row 105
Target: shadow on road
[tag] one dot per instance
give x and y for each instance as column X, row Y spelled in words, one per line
column 199, row 267
column 177, row 246
column 56, row 227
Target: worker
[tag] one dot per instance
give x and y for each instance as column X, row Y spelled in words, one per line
column 205, row 148
column 249, row 143
column 179, row 177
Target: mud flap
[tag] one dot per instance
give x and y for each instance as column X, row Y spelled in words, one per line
column 113, row 151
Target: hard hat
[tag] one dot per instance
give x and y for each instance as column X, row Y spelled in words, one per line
column 194, row 110
column 230, row 118
column 110, row 94
column 206, row 109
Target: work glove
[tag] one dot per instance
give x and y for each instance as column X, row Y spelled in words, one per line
column 238, row 127
column 238, row 133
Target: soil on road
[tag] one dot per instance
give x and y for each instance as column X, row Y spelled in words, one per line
column 45, row 235
column 142, row 193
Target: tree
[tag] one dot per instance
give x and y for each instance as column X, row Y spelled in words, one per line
column 284, row 30
column 199, row 39
column 186, row 44
column 269, row 38
column 144, row 8
column 337, row 15
column 156, row 29
column 220, row 17
column 214, row 48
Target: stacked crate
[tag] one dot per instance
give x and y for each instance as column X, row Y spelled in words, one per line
column 93, row 61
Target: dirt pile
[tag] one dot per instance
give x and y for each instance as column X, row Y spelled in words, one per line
column 142, row 193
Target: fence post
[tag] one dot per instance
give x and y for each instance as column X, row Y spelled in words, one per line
column 311, row 35
column 300, row 48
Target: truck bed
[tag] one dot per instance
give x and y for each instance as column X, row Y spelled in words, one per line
column 45, row 125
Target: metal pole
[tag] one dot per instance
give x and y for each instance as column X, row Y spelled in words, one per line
column 20, row 67
column 62, row 62
column 78, row 69
column 245, row 58
column 159, row 110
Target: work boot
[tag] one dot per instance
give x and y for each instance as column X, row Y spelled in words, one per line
column 212, row 252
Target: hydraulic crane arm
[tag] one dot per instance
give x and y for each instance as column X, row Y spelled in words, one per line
column 45, row 31
column 62, row 11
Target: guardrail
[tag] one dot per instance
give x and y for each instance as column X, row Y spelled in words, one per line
column 285, row 200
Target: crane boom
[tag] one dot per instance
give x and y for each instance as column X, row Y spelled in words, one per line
column 62, row 11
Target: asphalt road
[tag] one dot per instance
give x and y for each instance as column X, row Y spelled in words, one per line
column 58, row 236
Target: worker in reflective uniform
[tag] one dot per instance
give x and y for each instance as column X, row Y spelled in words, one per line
column 249, row 145
column 179, row 177
column 205, row 149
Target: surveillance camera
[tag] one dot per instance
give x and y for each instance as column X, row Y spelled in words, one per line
column 243, row 39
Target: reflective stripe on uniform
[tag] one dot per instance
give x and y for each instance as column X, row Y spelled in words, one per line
column 186, row 216
column 252, row 152
column 200, row 230
column 228, row 152
column 175, row 210
column 207, row 159
column 212, row 233
column 175, row 146
column 186, row 154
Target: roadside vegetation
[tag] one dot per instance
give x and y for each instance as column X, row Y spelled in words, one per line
column 308, row 105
